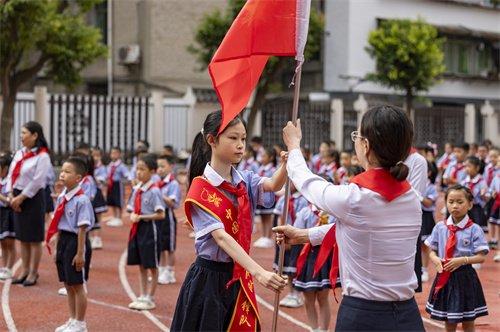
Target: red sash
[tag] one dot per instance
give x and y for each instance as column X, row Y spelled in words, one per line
column 443, row 277
column 19, row 164
column 209, row 198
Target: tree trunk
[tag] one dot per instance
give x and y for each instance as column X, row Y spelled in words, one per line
column 409, row 103
column 9, row 100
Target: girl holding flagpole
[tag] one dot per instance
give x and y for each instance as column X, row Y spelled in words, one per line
column 456, row 295
column 378, row 218
column 26, row 183
column 218, row 291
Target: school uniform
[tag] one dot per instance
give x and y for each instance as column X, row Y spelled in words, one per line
column 306, row 281
column 89, row 187
column 99, row 203
column 6, row 214
column 207, row 301
column 296, row 203
column 376, row 244
column 328, row 170
column 316, row 163
column 495, row 208
column 428, row 221
column 455, row 171
column 457, row 296
column 28, row 176
column 266, row 171
column 342, row 175
column 75, row 211
column 49, row 189
column 144, row 238
column 477, row 185
column 116, row 173
column 249, row 164
column 169, row 187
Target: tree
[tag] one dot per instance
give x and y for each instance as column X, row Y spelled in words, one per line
column 213, row 28
column 408, row 56
column 43, row 34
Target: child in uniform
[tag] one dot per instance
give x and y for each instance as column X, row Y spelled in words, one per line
column 171, row 195
column 296, row 203
column 73, row 218
column 117, row 172
column 7, row 234
column 456, row 295
column 146, row 206
column 218, row 291
column 428, row 207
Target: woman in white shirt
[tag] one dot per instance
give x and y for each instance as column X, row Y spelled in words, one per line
column 378, row 222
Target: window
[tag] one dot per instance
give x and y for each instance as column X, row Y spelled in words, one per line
column 468, row 57
column 99, row 19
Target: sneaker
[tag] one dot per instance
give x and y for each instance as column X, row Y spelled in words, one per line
column 476, row 266
column 62, row 291
column 135, row 304
column 115, row 222
column 96, row 242
column 425, row 276
column 163, row 277
column 64, row 326
column 147, row 304
column 294, row 302
column 497, row 258
column 284, row 301
column 263, row 242
column 76, row 326
column 5, row 273
column 171, row 277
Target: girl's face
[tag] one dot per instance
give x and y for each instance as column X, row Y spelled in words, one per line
column 4, row 171
column 28, row 139
column 493, row 155
column 457, row 204
column 471, row 169
column 345, row 159
column 324, row 149
column 266, row 158
column 96, row 154
column 230, row 145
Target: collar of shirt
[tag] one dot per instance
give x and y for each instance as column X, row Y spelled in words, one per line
column 476, row 179
column 167, row 179
column 461, row 224
column 69, row 194
column 216, row 180
column 144, row 187
column 116, row 163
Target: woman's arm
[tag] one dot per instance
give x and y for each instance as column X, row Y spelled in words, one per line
column 267, row 279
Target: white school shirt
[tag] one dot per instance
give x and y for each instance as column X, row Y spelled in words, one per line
column 376, row 238
column 417, row 176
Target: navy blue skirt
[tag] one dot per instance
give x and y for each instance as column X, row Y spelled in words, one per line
column 99, row 203
column 478, row 216
column 204, row 303
column 6, row 223
column 461, row 299
column 428, row 224
column 305, row 282
column 29, row 224
column 115, row 196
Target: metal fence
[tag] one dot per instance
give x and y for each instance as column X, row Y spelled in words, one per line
column 24, row 111
column 98, row 120
column 439, row 124
column 314, row 116
column 175, row 123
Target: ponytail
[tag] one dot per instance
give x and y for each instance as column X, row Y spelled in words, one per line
column 201, row 151
column 399, row 171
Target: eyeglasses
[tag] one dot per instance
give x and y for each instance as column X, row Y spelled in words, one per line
column 355, row 134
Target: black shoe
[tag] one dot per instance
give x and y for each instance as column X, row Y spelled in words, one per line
column 20, row 280
column 28, row 283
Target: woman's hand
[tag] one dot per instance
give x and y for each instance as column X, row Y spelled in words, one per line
column 270, row 280
column 283, row 157
column 292, row 135
column 290, row 235
column 16, row 202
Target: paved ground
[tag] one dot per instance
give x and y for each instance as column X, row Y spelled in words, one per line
column 112, row 285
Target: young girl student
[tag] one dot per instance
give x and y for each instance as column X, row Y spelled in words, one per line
column 7, row 234
column 99, row 203
column 171, row 195
column 456, row 295
column 266, row 169
column 117, row 172
column 146, row 206
column 315, row 287
column 428, row 208
column 296, row 203
column 218, row 292
column 475, row 182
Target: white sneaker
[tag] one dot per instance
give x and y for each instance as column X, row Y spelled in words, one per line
column 96, row 242
column 295, row 302
column 76, row 326
column 263, row 242
column 284, row 301
column 425, row 276
column 135, row 304
column 64, row 326
column 171, row 277
column 147, row 304
column 163, row 277
column 5, row 273
column 476, row 266
column 115, row 222
column 497, row 258
column 62, row 291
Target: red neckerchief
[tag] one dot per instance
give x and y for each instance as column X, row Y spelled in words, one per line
column 19, row 164
column 244, row 220
column 457, row 168
column 382, row 182
column 444, row 276
column 114, row 166
column 169, row 178
column 54, row 224
column 137, row 209
column 472, row 183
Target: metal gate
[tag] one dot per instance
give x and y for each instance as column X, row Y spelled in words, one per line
column 314, row 117
column 439, row 124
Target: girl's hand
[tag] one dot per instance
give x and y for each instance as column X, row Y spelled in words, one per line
column 135, row 217
column 437, row 264
column 284, row 157
column 292, row 135
column 454, row 264
column 270, row 280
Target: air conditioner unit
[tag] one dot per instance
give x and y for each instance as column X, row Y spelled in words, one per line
column 130, row 54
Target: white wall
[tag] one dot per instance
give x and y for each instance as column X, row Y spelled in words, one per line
column 348, row 24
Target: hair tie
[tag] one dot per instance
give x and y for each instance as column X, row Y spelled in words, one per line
column 399, row 163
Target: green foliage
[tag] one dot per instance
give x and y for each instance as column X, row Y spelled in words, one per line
column 47, row 33
column 408, row 55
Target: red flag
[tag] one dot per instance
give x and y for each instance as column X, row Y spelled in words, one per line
column 262, row 28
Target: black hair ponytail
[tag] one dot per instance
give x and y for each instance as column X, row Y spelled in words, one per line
column 201, row 150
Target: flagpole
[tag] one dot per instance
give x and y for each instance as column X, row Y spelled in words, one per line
column 284, row 216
